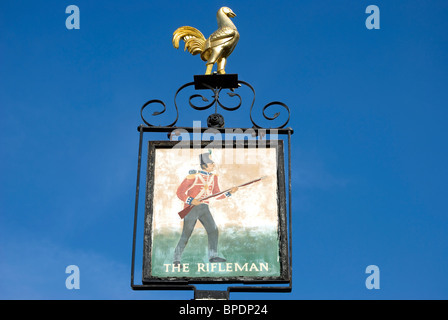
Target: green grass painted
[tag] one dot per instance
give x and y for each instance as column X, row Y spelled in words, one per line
column 248, row 253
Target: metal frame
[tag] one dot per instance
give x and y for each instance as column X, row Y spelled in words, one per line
column 219, row 127
column 283, row 276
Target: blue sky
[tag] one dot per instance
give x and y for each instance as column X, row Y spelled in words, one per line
column 369, row 149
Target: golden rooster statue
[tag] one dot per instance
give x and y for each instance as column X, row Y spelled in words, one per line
column 215, row 49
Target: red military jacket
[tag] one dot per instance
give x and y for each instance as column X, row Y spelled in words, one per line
column 198, row 185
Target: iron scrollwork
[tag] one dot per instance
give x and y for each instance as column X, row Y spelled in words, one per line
column 275, row 116
column 215, row 119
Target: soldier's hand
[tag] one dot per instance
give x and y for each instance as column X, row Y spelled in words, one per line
column 195, row 202
column 234, row 189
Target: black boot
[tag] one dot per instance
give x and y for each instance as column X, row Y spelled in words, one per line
column 217, row 259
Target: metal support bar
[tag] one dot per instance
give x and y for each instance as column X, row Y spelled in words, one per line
column 137, row 192
column 211, row 295
column 282, row 131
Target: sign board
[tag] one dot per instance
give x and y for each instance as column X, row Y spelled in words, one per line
column 238, row 235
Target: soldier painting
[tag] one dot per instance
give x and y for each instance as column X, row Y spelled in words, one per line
column 214, row 213
column 195, row 187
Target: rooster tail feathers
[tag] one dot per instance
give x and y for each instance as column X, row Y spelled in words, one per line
column 193, row 38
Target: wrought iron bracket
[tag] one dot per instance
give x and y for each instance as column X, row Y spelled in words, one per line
column 217, row 83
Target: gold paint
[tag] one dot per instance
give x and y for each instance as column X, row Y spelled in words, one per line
column 217, row 48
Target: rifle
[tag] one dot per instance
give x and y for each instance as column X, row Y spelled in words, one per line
column 186, row 210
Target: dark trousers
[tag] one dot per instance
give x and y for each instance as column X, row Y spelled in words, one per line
column 201, row 213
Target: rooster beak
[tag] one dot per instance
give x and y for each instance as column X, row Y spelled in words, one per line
column 232, row 14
